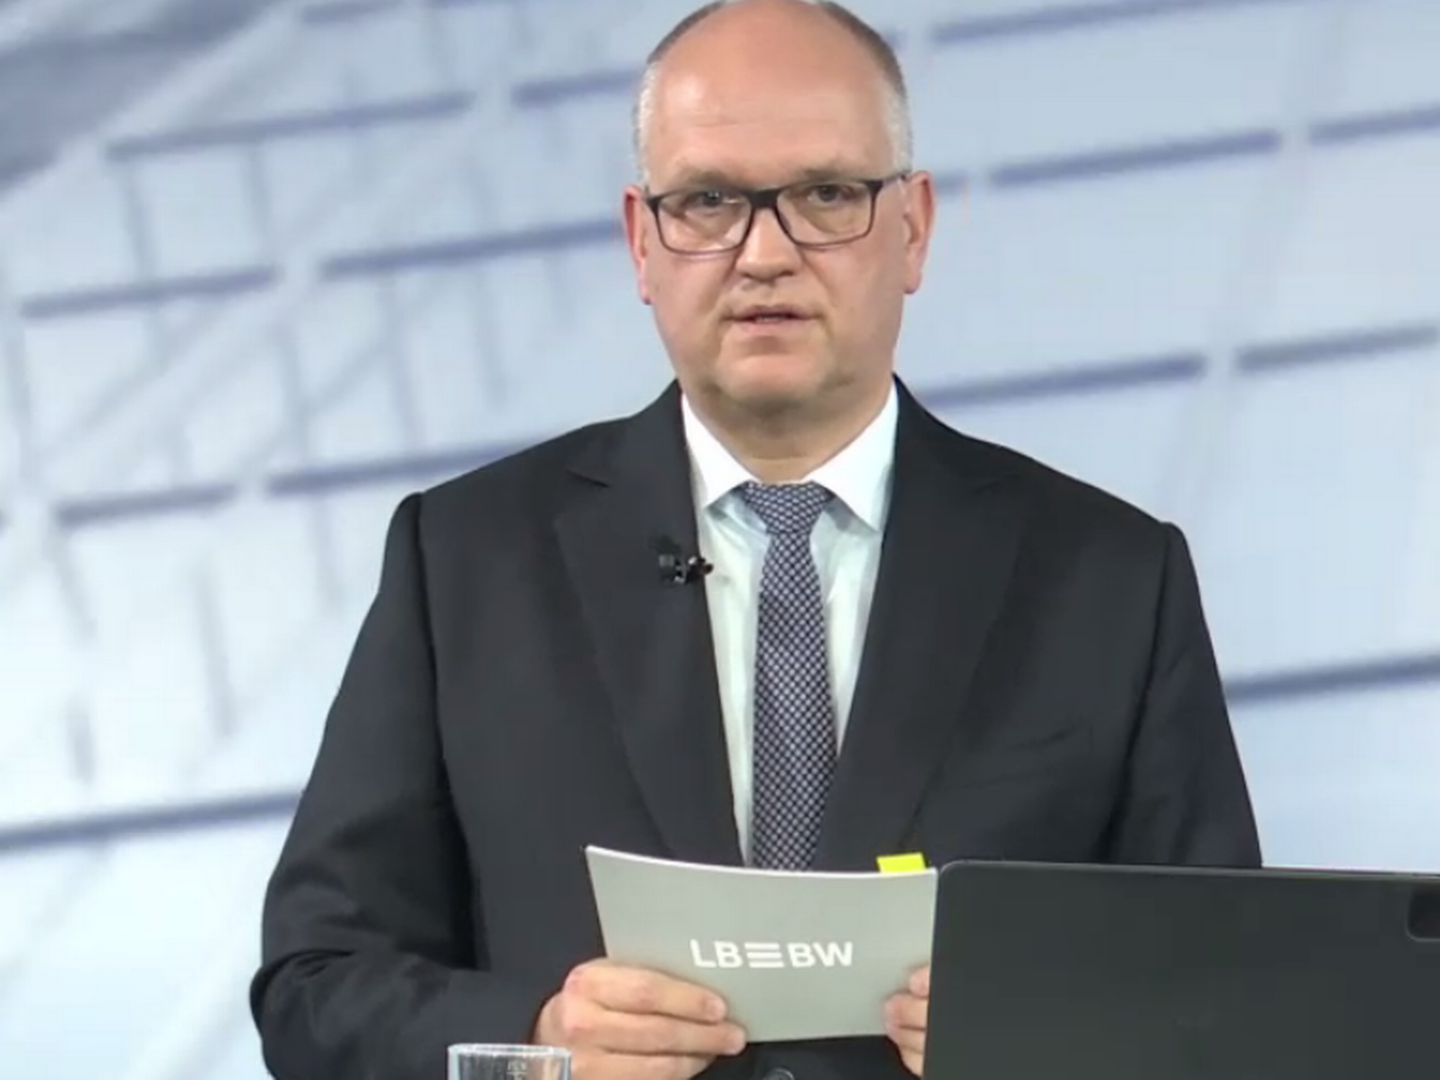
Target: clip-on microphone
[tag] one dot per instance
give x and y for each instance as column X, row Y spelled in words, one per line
column 677, row 568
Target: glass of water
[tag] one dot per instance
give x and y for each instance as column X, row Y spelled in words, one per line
column 484, row 1061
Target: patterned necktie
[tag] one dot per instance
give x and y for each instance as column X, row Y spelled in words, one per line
column 794, row 754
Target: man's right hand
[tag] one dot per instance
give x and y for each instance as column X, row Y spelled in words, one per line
column 624, row 1023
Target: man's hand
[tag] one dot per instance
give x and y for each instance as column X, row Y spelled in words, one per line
column 623, row 1023
column 905, row 1020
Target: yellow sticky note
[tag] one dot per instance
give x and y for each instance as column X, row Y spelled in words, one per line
column 901, row 864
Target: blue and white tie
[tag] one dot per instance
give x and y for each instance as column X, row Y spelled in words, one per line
column 795, row 730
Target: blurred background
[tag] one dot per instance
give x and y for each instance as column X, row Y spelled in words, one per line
column 265, row 267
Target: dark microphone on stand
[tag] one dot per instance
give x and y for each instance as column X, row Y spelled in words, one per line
column 676, row 567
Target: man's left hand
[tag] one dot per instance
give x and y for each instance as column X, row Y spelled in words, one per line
column 905, row 1020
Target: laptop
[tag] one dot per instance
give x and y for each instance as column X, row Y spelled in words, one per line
column 1065, row 972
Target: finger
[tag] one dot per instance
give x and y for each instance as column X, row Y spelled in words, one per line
column 911, row 1044
column 920, row 982
column 585, row 1023
column 631, row 1034
column 907, row 1040
column 905, row 1011
column 646, row 993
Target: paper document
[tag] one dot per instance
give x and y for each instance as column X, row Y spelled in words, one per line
column 795, row 955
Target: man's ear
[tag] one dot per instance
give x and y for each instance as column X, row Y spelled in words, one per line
column 919, row 226
column 637, row 237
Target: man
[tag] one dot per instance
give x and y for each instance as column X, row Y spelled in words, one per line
column 910, row 640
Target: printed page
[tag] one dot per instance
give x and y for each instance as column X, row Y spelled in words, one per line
column 796, row 955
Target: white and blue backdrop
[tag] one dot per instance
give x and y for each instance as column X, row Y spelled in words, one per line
column 267, row 266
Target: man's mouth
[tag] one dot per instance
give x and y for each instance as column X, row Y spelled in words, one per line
column 763, row 316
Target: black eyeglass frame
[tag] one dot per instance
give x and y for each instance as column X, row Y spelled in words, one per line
column 769, row 199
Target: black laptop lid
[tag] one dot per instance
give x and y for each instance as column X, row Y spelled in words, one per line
column 1107, row 973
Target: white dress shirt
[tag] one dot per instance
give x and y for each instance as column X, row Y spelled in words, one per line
column 846, row 545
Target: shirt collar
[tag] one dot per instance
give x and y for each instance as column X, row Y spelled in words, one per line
column 859, row 475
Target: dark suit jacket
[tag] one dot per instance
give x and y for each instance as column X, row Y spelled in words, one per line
column 1037, row 683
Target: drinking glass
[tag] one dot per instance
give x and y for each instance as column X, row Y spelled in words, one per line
column 483, row 1061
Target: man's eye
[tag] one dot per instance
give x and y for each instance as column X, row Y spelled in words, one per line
column 832, row 194
column 712, row 199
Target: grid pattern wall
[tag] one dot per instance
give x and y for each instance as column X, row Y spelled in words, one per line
column 266, row 266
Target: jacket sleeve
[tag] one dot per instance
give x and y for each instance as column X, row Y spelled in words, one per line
column 372, row 962
column 1185, row 799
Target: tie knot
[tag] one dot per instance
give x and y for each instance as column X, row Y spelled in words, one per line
column 786, row 508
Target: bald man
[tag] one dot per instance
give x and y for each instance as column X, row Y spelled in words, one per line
column 906, row 640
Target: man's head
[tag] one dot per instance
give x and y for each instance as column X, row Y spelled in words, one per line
column 762, row 94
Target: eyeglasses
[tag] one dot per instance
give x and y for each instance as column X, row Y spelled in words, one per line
column 709, row 220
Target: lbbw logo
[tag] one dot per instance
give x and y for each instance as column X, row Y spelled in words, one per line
column 772, row 954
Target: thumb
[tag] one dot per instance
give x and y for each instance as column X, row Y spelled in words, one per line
column 920, row 982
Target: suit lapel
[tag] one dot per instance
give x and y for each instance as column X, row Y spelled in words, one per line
column 950, row 542
column 652, row 639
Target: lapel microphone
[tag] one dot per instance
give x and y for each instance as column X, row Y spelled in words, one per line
column 675, row 566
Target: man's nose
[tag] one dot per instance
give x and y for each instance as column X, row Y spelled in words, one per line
column 768, row 251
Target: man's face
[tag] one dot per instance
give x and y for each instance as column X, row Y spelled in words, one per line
column 729, row 122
